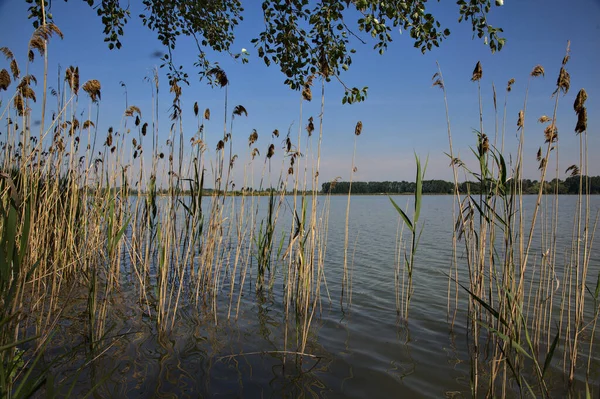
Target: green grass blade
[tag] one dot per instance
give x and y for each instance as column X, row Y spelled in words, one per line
column 506, row 338
column 550, row 353
column 418, row 191
column 122, row 230
column 492, row 311
column 17, row 343
column 533, row 395
column 403, row 215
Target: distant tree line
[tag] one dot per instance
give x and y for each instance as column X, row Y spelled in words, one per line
column 568, row 186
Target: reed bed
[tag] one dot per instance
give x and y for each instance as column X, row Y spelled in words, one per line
column 105, row 211
column 122, row 212
column 526, row 309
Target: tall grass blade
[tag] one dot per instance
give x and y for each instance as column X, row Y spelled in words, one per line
column 403, row 215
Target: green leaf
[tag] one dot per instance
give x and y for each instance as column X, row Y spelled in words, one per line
column 418, row 190
column 506, row 338
column 122, row 230
column 17, row 343
column 550, row 353
column 492, row 311
column 403, row 215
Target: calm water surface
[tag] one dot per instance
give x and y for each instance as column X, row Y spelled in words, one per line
column 364, row 351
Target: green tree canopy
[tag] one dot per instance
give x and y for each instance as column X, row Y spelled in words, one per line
column 302, row 37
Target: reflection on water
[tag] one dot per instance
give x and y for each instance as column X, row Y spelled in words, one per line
column 363, row 351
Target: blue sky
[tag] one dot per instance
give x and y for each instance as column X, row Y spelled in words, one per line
column 403, row 113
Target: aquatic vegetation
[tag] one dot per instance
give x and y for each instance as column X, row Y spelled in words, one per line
column 407, row 258
column 106, row 230
column 525, row 311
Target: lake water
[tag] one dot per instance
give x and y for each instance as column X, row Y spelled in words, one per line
column 361, row 351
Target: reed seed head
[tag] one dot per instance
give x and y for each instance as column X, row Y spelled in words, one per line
column 484, row 144
column 306, row 93
column 132, row 110
column 207, row 114
column 551, row 133
column 36, row 43
column 521, row 120
column 47, row 31
column 539, row 154
column 334, row 182
column 437, row 80
column 574, row 169
column 26, row 81
column 477, row 72
column 14, row 69
column 220, row 145
column 239, row 110
column 509, row 85
column 87, row 124
column 196, row 109
column 271, row 151
column 219, row 76
column 306, row 90
column 74, row 125
column 580, row 100
column 544, row 119
column 72, row 78
column 310, row 128
column 92, row 88
column 253, row 137
column 144, row 128
column 358, row 128
column 275, row 133
column 4, row 80
column 175, row 89
column 255, row 152
column 563, row 83
column 7, row 53
column 581, row 121
column 538, row 70
column 19, row 105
